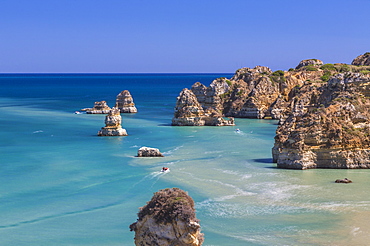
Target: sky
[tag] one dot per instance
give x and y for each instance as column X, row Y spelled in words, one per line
column 178, row 36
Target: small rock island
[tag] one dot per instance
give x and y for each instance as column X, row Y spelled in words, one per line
column 100, row 107
column 125, row 102
column 168, row 219
column 113, row 124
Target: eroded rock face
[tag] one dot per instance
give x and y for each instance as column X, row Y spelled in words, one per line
column 250, row 93
column 168, row 219
column 113, row 124
column 362, row 60
column 149, row 152
column 328, row 126
column 99, row 108
column 125, row 102
column 189, row 112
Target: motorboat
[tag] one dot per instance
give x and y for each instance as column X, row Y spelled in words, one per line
column 165, row 169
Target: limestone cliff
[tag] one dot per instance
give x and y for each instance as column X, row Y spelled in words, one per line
column 168, row 219
column 328, row 125
column 189, row 112
column 99, row 108
column 250, row 93
column 113, row 124
column 125, row 102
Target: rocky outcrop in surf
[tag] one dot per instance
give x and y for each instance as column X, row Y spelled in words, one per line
column 168, row 219
column 100, row 107
column 149, row 152
column 125, row 102
column 113, row 124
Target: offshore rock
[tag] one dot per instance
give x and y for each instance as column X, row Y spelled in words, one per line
column 189, row 112
column 113, row 124
column 362, row 60
column 149, row 152
column 168, row 219
column 99, row 108
column 328, row 125
column 125, row 102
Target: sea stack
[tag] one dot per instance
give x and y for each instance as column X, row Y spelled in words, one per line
column 168, row 219
column 113, row 124
column 125, row 102
column 100, row 107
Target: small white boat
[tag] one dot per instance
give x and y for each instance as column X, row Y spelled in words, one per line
column 78, row 112
column 165, row 169
column 237, row 130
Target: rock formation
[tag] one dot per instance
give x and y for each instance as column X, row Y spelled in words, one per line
column 345, row 180
column 309, row 62
column 189, row 112
column 168, row 219
column 113, row 124
column 362, row 60
column 250, row 93
column 125, row 102
column 99, row 108
column 328, row 125
column 149, row 152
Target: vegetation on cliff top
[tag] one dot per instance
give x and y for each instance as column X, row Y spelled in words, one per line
column 168, row 205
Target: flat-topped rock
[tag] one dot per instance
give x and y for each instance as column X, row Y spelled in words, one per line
column 100, row 107
column 149, row 152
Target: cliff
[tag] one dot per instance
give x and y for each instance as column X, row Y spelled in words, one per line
column 113, row 124
column 168, row 219
column 250, row 93
column 125, row 102
column 328, row 125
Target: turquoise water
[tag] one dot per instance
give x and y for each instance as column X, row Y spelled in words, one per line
column 63, row 185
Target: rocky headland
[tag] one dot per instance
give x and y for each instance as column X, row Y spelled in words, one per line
column 168, row 219
column 323, row 110
column 125, row 102
column 113, row 124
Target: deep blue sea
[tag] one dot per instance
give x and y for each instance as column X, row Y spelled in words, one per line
column 61, row 184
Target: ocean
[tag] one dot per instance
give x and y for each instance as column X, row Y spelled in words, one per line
column 61, row 184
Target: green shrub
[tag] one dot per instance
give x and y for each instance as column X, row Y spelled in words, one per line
column 278, row 73
column 228, row 82
column 344, row 68
column 326, row 76
column 328, row 66
column 311, row 68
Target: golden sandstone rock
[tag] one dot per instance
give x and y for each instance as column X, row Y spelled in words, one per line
column 113, row 124
column 168, row 219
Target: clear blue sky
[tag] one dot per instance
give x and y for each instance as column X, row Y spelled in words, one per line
column 159, row 36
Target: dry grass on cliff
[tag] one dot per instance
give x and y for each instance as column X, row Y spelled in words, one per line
column 168, row 205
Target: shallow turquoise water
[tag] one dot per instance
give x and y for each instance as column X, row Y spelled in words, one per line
column 63, row 185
